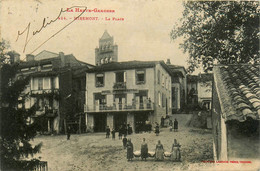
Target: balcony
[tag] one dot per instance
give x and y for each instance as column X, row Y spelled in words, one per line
column 120, row 107
column 45, row 92
column 119, row 86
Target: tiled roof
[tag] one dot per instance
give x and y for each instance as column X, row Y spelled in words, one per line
column 238, row 88
column 115, row 66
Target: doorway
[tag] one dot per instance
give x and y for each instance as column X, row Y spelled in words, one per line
column 100, row 122
column 119, row 119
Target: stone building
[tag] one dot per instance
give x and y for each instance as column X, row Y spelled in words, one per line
column 107, row 50
column 51, row 88
column 236, row 112
column 127, row 92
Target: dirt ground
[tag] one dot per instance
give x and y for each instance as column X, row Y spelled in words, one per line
column 95, row 152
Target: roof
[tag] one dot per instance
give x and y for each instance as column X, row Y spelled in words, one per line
column 45, row 55
column 105, row 35
column 68, row 59
column 115, row 66
column 238, row 89
column 204, row 77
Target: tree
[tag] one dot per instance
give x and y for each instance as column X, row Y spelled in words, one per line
column 16, row 132
column 224, row 32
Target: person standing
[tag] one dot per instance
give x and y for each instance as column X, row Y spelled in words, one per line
column 175, row 125
column 130, row 150
column 113, row 134
column 124, row 142
column 162, row 121
column 159, row 151
column 107, row 132
column 129, row 129
column 176, row 152
column 144, row 150
column 157, row 130
column 68, row 132
column 120, row 132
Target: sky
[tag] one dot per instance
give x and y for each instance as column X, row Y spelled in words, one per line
column 143, row 34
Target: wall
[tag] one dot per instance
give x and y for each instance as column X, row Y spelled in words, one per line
column 218, row 128
column 109, row 80
column 243, row 140
column 204, row 90
column 160, row 109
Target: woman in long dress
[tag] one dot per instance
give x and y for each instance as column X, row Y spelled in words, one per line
column 130, row 150
column 159, row 151
column 176, row 152
column 144, row 150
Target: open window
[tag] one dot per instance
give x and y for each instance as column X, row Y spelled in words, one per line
column 140, row 77
column 120, row 77
column 100, row 80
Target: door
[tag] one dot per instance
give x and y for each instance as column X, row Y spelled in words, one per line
column 100, row 122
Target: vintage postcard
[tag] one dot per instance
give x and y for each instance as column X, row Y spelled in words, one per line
column 129, row 85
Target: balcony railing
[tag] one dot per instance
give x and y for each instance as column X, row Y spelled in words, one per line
column 120, row 107
column 46, row 91
column 119, row 86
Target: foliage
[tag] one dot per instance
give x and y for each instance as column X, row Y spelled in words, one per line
column 15, row 129
column 222, row 32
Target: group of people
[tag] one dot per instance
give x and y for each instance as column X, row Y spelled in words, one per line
column 174, row 125
column 123, row 130
column 175, row 154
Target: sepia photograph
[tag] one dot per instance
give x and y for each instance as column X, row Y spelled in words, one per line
column 132, row 85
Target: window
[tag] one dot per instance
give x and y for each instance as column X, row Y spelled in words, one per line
column 99, row 80
column 159, row 99
column 159, row 74
column 163, row 100
column 40, row 84
column 120, row 77
column 46, row 82
column 140, row 77
column 166, row 83
column 163, row 80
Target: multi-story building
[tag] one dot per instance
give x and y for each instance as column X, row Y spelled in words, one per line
column 179, row 86
column 127, row 92
column 199, row 89
column 107, row 50
column 51, row 88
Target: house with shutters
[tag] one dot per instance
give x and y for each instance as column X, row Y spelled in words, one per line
column 52, row 89
column 129, row 92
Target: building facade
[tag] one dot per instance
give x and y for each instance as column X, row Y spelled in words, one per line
column 127, row 93
column 50, row 88
column 199, row 88
column 179, row 87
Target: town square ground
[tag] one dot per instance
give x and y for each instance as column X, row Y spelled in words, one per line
column 92, row 151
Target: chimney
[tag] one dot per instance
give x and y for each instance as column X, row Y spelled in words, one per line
column 62, row 57
column 168, row 62
column 29, row 57
column 14, row 56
